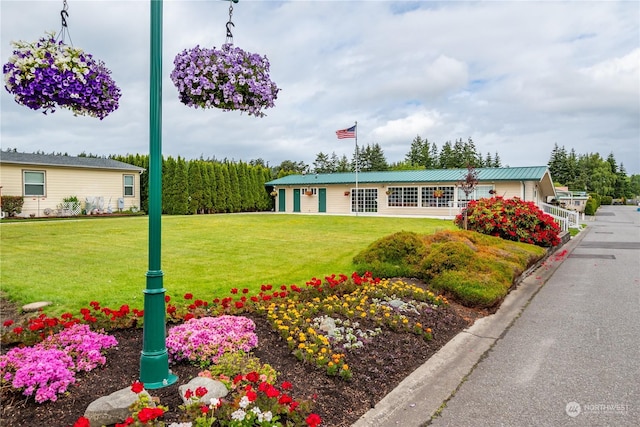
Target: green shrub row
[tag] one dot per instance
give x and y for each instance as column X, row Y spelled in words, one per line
column 473, row 269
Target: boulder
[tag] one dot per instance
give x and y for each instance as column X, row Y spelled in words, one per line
column 215, row 389
column 114, row 408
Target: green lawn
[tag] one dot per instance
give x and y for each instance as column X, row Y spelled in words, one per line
column 74, row 262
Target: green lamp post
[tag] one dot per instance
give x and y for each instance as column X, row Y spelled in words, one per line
column 154, row 361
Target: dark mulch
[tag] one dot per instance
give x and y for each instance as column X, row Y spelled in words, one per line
column 377, row 368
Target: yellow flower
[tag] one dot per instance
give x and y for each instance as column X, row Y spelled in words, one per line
column 345, row 367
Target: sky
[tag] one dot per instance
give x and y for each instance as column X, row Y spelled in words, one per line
column 517, row 77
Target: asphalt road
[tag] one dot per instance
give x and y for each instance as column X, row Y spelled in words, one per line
column 572, row 358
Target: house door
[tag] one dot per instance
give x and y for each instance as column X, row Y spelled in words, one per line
column 296, row 200
column 282, row 201
column 322, row 200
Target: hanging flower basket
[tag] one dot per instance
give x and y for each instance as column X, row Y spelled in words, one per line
column 438, row 193
column 346, row 193
column 274, row 193
column 309, row 193
column 48, row 74
column 228, row 78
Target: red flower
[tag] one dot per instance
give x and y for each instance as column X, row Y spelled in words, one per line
column 239, row 304
column 286, row 385
column 252, row 396
column 126, row 422
column 245, row 291
column 188, row 296
column 188, row 394
column 313, row 420
column 271, row 391
column 17, row 330
column 137, row 387
column 188, row 316
column 82, row 422
column 201, row 391
column 285, row 399
column 293, row 406
column 148, row 414
column 234, row 290
column 7, row 323
column 237, row 378
column 204, row 409
column 253, row 377
column 167, row 298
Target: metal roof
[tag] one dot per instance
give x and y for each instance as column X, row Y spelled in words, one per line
column 528, row 173
column 11, row 157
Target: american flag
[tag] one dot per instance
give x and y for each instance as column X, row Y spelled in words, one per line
column 346, row 133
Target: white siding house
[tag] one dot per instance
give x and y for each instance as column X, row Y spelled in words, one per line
column 429, row 193
column 44, row 181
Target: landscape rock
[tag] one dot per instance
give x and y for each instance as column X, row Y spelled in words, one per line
column 35, row 306
column 114, row 408
column 215, row 389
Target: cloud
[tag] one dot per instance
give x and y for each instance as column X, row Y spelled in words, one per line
column 517, row 77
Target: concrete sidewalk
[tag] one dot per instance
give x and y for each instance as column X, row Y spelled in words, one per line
column 566, row 353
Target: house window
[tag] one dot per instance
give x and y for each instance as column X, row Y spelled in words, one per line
column 34, row 183
column 364, row 200
column 403, row 196
column 480, row 192
column 433, row 197
column 129, row 185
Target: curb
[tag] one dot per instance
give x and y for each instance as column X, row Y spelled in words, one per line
column 420, row 396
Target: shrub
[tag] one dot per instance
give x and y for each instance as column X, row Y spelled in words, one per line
column 472, row 268
column 606, row 200
column 511, row 219
column 12, row 204
column 393, row 256
column 448, row 256
column 591, row 206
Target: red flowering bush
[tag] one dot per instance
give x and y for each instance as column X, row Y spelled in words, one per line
column 511, row 219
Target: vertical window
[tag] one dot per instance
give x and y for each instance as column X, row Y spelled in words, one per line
column 128, row 185
column 480, row 192
column 364, row 200
column 403, row 196
column 437, row 196
column 33, row 183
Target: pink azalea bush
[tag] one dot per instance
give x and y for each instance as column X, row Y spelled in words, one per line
column 48, row 368
column 204, row 340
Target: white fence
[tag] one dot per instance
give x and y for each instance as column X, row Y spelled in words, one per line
column 565, row 218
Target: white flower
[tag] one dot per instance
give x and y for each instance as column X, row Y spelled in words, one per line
column 238, row 415
column 214, row 402
column 244, row 402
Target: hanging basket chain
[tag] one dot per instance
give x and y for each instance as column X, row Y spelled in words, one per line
column 229, row 24
column 64, row 31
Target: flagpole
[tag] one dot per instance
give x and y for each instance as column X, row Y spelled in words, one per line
column 357, row 193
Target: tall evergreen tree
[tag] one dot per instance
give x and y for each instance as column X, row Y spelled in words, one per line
column 196, row 188
column 180, row 188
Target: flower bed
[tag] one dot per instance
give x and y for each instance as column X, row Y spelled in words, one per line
column 49, row 74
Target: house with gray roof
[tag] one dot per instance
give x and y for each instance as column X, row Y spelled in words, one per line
column 429, row 193
column 101, row 185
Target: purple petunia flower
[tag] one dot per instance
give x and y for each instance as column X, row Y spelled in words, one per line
column 228, row 78
column 49, row 74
